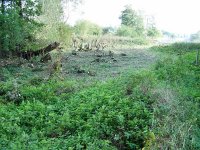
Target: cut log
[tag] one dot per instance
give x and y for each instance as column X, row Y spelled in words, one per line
column 41, row 52
column 46, row 58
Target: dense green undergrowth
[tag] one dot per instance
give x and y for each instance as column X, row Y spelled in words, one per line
column 57, row 115
column 180, row 70
column 157, row 109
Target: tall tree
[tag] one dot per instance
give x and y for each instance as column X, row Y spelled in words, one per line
column 55, row 27
column 17, row 24
column 19, row 4
column 2, row 6
column 131, row 18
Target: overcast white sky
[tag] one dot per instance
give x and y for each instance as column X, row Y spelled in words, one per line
column 179, row 16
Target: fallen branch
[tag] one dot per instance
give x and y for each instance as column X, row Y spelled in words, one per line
column 41, row 52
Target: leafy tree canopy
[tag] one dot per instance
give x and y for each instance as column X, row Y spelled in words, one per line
column 17, row 20
column 20, row 23
column 131, row 18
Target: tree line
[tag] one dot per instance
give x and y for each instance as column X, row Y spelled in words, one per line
column 18, row 24
column 29, row 25
column 132, row 25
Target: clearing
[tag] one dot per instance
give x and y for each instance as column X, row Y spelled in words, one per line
column 87, row 66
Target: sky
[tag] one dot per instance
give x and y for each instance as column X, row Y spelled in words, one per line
column 177, row 16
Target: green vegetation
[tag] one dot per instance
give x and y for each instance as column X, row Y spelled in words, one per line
column 32, row 25
column 153, row 32
column 54, row 28
column 84, row 28
column 17, row 25
column 130, row 18
column 177, row 110
column 126, row 31
column 148, row 109
column 37, row 115
column 178, row 48
column 93, row 98
column 130, row 32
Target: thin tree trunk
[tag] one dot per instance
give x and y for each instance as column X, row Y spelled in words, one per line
column 2, row 6
column 2, row 26
column 11, row 2
column 19, row 4
column 197, row 57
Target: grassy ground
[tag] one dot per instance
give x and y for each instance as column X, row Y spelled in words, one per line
column 176, row 120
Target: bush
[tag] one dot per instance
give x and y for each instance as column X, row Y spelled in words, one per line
column 153, row 32
column 127, row 31
column 84, row 27
column 182, row 72
column 59, row 32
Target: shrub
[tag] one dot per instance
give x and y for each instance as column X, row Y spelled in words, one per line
column 84, row 27
column 126, row 31
column 153, row 32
